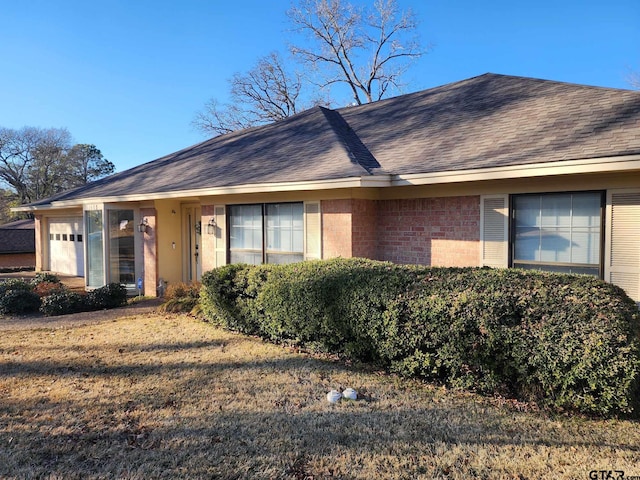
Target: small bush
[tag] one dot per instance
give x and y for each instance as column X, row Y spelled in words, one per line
column 63, row 302
column 182, row 297
column 112, row 295
column 19, row 302
column 563, row 341
column 17, row 297
column 45, row 277
column 42, row 289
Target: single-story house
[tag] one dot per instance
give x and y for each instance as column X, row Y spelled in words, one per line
column 494, row 170
column 18, row 245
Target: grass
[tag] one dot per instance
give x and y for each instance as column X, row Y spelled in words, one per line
column 171, row 397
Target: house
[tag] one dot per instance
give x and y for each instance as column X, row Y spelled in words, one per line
column 18, row 245
column 494, row 170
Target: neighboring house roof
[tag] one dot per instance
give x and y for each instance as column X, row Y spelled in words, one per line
column 26, row 224
column 484, row 122
column 18, row 237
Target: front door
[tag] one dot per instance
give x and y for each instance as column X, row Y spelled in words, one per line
column 192, row 232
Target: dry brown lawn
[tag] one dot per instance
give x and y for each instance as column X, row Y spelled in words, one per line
column 159, row 396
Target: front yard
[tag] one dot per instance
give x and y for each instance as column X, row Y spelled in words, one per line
column 160, row 396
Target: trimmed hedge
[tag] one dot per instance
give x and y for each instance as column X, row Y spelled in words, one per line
column 47, row 294
column 17, row 297
column 563, row 341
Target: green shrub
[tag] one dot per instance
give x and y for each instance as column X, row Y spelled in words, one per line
column 45, row 277
column 63, row 302
column 17, row 297
column 18, row 302
column 112, row 295
column 563, row 341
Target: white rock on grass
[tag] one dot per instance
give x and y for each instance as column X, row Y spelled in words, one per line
column 350, row 394
column 334, row 396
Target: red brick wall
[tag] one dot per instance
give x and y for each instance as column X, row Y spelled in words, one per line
column 10, row 260
column 430, row 231
column 336, row 228
column 427, row 231
column 364, row 235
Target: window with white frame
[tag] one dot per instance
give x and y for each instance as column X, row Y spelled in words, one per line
column 559, row 232
column 266, row 233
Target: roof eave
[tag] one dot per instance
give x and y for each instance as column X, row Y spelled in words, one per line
column 568, row 167
column 366, row 181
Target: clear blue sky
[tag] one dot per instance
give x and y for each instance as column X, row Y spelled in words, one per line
column 129, row 75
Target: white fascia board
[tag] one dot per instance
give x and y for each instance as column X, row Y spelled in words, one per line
column 349, row 182
column 592, row 165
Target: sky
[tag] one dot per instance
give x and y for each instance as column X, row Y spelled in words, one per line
column 130, row 75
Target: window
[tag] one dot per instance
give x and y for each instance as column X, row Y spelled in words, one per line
column 560, row 232
column 266, row 233
column 95, row 258
column 121, row 247
column 72, row 238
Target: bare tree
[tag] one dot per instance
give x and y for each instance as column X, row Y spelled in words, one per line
column 37, row 163
column 266, row 93
column 368, row 51
column 634, row 80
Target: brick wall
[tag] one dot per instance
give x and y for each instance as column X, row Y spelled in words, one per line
column 336, row 228
column 14, row 260
column 430, row 231
column 364, row 235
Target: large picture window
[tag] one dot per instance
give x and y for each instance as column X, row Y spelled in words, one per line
column 266, row 233
column 560, row 232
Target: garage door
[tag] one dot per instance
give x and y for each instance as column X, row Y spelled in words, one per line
column 65, row 246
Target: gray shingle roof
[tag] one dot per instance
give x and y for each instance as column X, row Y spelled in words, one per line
column 496, row 120
column 18, row 237
column 486, row 121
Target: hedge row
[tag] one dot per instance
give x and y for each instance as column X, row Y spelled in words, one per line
column 562, row 341
column 47, row 295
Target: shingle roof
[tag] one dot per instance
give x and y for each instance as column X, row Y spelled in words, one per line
column 17, row 241
column 486, row 121
column 497, row 120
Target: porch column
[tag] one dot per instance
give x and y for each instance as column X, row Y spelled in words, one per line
column 150, row 252
column 208, row 250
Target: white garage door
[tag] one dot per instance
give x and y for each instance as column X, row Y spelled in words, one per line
column 65, row 246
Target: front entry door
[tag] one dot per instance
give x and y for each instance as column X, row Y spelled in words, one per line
column 192, row 232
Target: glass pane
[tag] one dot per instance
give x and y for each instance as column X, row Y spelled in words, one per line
column 556, row 210
column 245, row 234
column 527, row 243
column 121, row 247
column 586, row 210
column 585, row 246
column 567, row 231
column 555, row 245
column 95, row 263
column 284, row 229
column 252, row 258
column 284, row 258
column 527, row 211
